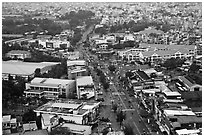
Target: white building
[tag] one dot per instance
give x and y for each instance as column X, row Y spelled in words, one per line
column 75, row 112
column 49, row 88
column 85, row 87
column 52, row 44
column 18, row 54
column 76, row 68
column 24, row 69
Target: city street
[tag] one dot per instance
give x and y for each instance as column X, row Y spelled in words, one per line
column 121, row 98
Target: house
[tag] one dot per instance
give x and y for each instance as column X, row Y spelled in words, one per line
column 8, row 124
column 30, row 126
column 18, row 54
column 75, row 112
column 49, row 88
column 85, row 87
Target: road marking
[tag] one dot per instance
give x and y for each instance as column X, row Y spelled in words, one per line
column 137, row 128
column 119, row 97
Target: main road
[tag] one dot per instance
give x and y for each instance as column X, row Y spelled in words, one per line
column 131, row 108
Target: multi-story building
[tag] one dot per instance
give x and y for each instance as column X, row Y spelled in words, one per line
column 76, row 68
column 85, row 87
column 18, row 54
column 156, row 52
column 50, row 88
column 75, row 112
column 52, row 44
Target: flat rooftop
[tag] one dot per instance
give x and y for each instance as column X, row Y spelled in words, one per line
column 76, row 63
column 67, row 107
column 50, row 81
column 178, row 113
column 23, row 68
column 84, row 81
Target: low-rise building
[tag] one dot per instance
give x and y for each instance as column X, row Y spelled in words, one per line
column 53, row 44
column 74, row 112
column 50, row 88
column 8, row 124
column 188, row 85
column 72, row 55
column 25, row 70
column 85, row 87
column 18, row 54
column 76, row 68
column 156, row 52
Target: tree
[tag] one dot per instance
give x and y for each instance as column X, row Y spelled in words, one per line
column 29, row 116
column 120, row 117
column 60, row 131
column 37, row 72
column 115, row 107
column 172, row 63
column 105, row 85
column 112, row 68
column 128, row 129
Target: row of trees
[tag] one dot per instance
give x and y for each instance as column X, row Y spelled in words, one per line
column 77, row 18
column 103, row 79
column 28, row 24
column 11, row 91
column 56, row 72
column 140, row 26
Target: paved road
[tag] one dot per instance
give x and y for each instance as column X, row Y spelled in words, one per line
column 132, row 117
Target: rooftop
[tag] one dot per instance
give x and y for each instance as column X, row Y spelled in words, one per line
column 185, row 81
column 143, row 75
column 67, row 107
column 76, row 62
column 78, row 129
column 51, row 81
column 172, row 93
column 18, row 52
column 84, row 81
column 178, row 113
column 23, row 68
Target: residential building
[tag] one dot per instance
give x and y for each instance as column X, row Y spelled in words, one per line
column 85, row 87
column 50, row 88
column 8, row 124
column 54, row 43
column 18, row 54
column 73, row 113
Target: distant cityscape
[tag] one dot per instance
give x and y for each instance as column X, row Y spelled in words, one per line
column 101, row 68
